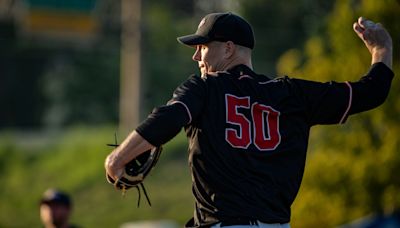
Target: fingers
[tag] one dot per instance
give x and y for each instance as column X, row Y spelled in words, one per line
column 358, row 29
column 364, row 23
column 114, row 170
column 115, row 174
column 112, row 178
column 364, row 28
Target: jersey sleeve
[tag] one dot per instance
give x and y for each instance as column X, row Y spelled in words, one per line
column 332, row 102
column 166, row 121
column 325, row 103
column 372, row 89
column 191, row 94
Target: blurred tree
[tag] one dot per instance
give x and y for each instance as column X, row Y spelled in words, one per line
column 81, row 86
column 49, row 82
column 20, row 100
column 282, row 25
column 351, row 170
column 166, row 63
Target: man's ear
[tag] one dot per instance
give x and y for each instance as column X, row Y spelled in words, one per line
column 230, row 49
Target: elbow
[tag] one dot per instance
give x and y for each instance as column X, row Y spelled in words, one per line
column 381, row 98
column 368, row 100
column 383, row 93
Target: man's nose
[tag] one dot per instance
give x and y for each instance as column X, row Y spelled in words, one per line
column 196, row 55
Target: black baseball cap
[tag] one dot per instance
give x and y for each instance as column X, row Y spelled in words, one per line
column 221, row 27
column 55, row 196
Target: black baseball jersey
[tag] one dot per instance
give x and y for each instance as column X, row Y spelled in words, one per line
column 248, row 136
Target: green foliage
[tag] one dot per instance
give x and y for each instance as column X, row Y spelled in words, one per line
column 82, row 86
column 351, row 169
column 73, row 161
column 167, row 63
column 282, row 25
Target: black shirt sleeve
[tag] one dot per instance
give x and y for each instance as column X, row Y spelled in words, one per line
column 192, row 94
column 325, row 103
column 371, row 90
column 333, row 102
column 166, row 121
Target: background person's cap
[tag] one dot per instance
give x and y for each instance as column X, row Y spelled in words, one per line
column 221, row 27
column 55, row 196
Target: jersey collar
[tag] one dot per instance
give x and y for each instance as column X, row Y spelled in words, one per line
column 242, row 71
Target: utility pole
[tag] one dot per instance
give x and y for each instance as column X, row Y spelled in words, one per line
column 130, row 83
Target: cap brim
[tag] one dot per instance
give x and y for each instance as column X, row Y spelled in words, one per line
column 193, row 40
column 47, row 201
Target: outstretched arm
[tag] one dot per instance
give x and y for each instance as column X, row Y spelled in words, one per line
column 376, row 39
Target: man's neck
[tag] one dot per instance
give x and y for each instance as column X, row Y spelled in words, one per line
column 236, row 62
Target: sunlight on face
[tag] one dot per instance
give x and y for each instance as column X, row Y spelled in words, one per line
column 210, row 57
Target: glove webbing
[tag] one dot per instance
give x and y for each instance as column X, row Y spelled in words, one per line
column 124, row 186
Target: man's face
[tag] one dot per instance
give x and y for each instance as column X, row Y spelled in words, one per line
column 54, row 214
column 210, row 56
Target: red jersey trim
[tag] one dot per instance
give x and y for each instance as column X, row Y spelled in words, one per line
column 349, row 105
column 187, row 109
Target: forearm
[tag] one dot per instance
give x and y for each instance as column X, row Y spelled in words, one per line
column 132, row 147
column 384, row 55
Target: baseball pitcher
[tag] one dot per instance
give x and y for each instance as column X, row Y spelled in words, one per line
column 248, row 133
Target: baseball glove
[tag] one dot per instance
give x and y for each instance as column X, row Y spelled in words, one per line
column 136, row 171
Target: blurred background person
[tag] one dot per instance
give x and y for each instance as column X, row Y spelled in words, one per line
column 55, row 209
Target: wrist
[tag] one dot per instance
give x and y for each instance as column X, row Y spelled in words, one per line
column 382, row 54
column 381, row 50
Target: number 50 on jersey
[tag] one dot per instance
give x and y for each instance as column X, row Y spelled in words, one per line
column 261, row 129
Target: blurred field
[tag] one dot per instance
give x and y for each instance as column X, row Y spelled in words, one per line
column 72, row 160
column 336, row 189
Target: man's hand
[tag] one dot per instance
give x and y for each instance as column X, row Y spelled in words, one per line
column 113, row 169
column 376, row 39
column 130, row 148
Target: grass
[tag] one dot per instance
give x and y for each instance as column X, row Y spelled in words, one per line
column 73, row 161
